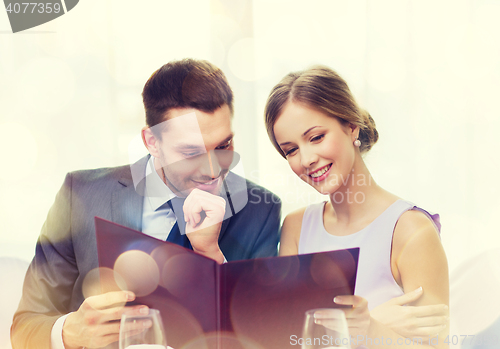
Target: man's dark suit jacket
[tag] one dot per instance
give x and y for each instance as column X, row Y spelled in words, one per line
column 66, row 249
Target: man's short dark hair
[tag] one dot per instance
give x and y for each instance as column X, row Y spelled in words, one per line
column 187, row 83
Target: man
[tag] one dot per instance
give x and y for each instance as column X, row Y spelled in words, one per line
column 189, row 106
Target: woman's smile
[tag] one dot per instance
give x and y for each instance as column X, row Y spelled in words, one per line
column 320, row 174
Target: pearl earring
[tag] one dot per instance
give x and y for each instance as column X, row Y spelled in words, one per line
column 357, row 143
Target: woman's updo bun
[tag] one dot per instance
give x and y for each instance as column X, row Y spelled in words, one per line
column 321, row 88
column 369, row 134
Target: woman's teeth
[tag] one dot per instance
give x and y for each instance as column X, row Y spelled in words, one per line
column 320, row 172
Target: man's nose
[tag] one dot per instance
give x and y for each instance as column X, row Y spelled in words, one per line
column 211, row 167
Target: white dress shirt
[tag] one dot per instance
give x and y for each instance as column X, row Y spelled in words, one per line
column 155, row 214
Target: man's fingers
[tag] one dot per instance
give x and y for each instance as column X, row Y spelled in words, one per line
column 110, row 299
column 107, row 340
column 114, row 314
column 199, row 200
column 136, row 326
column 108, row 328
column 192, row 209
column 201, row 213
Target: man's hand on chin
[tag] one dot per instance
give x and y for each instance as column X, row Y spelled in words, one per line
column 204, row 213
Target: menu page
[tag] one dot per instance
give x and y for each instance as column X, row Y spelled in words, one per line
column 249, row 303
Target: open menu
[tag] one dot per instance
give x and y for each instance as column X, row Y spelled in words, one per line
column 258, row 303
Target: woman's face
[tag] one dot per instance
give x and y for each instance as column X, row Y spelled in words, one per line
column 318, row 148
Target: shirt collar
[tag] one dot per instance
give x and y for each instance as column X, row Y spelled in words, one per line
column 156, row 190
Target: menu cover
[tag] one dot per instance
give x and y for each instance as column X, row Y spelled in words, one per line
column 257, row 303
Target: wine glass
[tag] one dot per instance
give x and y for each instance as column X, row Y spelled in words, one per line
column 142, row 331
column 325, row 329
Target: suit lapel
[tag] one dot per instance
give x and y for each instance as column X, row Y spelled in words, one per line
column 226, row 194
column 236, row 195
column 223, row 227
column 126, row 203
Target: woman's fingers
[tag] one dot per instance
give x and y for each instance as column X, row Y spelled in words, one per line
column 430, row 310
column 358, row 317
column 428, row 331
column 431, row 321
column 355, row 301
column 407, row 298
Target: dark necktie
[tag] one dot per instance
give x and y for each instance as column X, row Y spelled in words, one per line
column 175, row 235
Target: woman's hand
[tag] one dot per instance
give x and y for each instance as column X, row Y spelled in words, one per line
column 412, row 321
column 358, row 317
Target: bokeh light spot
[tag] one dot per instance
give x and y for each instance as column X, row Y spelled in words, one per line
column 139, row 271
column 277, row 270
column 175, row 278
column 328, row 272
column 102, row 280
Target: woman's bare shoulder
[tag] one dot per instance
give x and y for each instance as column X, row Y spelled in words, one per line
column 290, row 232
column 413, row 224
column 418, row 258
column 295, row 216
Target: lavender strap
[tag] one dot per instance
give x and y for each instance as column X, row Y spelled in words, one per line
column 434, row 216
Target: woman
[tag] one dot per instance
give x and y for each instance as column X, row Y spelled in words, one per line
column 316, row 125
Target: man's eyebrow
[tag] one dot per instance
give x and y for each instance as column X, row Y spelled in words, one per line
column 187, row 146
column 303, row 135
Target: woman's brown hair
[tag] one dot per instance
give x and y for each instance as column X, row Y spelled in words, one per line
column 323, row 89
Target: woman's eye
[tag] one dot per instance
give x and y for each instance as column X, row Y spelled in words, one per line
column 290, row 151
column 317, row 138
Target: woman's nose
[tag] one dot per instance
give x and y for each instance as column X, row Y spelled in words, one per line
column 308, row 157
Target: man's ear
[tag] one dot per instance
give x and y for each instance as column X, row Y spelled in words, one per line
column 150, row 141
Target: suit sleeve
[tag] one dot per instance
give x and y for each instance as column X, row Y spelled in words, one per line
column 49, row 281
